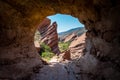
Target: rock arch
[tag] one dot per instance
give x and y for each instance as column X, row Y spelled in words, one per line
column 20, row 18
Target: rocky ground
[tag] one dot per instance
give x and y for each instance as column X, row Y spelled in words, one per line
column 56, row 71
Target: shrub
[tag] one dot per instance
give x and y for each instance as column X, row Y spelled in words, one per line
column 47, row 53
column 63, row 46
column 45, row 47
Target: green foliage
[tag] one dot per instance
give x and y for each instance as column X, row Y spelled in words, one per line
column 47, row 53
column 63, row 46
column 45, row 47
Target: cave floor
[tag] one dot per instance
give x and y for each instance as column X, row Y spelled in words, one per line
column 56, row 71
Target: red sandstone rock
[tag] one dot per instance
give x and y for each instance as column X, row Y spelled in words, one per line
column 66, row 55
column 77, row 46
column 70, row 37
column 49, row 35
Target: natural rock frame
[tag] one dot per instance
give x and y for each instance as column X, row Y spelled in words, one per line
column 19, row 20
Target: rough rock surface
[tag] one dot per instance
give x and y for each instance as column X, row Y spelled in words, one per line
column 18, row 21
column 66, row 55
column 49, row 34
column 70, row 37
column 77, row 47
column 56, row 71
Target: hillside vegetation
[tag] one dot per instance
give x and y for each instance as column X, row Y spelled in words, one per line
column 63, row 46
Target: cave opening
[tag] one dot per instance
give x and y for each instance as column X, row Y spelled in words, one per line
column 58, row 35
column 18, row 57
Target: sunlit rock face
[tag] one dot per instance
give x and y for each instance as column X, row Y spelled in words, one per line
column 49, row 34
column 18, row 22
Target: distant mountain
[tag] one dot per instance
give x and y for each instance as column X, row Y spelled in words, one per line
column 71, row 34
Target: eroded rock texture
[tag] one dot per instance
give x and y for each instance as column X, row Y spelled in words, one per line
column 70, row 37
column 49, row 35
column 77, row 46
column 18, row 21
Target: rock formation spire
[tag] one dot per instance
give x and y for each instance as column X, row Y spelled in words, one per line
column 49, row 35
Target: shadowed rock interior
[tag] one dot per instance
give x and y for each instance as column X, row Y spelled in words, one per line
column 19, row 19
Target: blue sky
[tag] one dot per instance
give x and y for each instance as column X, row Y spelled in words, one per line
column 65, row 22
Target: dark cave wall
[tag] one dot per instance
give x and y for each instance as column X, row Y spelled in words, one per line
column 103, row 36
column 19, row 19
